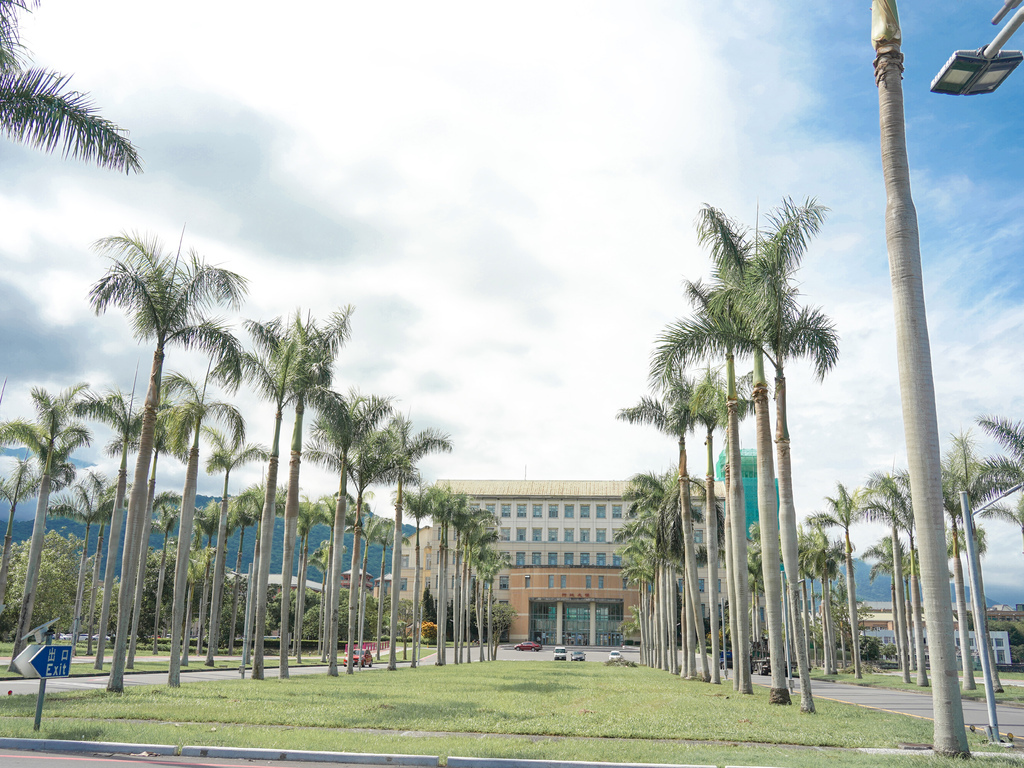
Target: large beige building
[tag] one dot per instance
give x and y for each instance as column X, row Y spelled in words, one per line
column 564, row 581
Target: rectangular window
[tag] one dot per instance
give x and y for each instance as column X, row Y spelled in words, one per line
column 405, row 561
column 617, row 511
column 600, row 582
column 520, row 534
column 552, row 558
column 616, row 560
column 625, row 583
column 700, row 585
column 552, row 510
column 563, row 581
column 584, row 510
column 520, row 558
column 428, row 562
column 551, row 582
column 520, row 510
column 490, row 508
column 552, row 534
column 474, row 505
column 526, row 582
column 506, row 510
column 506, row 535
column 537, row 510
column 854, row 581
column 698, row 536
column 600, row 511
column 998, row 640
column 570, row 510
column 584, row 534
column 535, row 558
column 404, row 585
column 503, row 582
column 568, row 558
column 588, row 582
column 568, row 535
column 600, row 558
column 585, row 559
column 601, row 532
column 538, row 534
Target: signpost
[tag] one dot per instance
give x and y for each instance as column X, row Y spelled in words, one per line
column 43, row 660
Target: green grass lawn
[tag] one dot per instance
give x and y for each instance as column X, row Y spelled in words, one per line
column 499, row 709
column 1013, row 695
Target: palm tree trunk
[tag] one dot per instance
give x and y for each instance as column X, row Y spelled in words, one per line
column 203, row 603
column 380, row 601
column 851, row 604
column 829, row 630
column 711, row 528
column 730, row 581
column 115, row 537
column 739, row 533
column 915, row 601
column 234, row 593
column 690, row 566
column 354, row 582
column 457, row 604
column 291, row 524
column 159, row 595
column 300, row 599
column 806, row 638
column 5, row 560
column 900, row 602
column 492, row 646
column 35, row 553
column 338, row 548
column 220, row 559
column 961, row 614
column 95, row 588
column 186, row 630
column 790, row 541
column 79, row 591
column 768, row 516
column 416, row 609
column 265, row 542
column 140, row 581
column 362, row 599
column 396, row 576
column 181, row 586
column 917, row 392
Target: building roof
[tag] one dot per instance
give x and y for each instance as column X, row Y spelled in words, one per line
column 545, row 488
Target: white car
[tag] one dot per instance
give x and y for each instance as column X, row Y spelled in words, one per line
column 614, row 655
column 560, row 653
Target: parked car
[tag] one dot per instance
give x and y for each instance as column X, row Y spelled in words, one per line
column 367, row 659
column 578, row 656
column 614, row 655
column 560, row 654
column 529, row 645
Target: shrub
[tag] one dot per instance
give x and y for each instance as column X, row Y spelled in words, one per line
column 428, row 632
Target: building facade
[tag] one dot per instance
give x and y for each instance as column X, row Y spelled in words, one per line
column 565, row 580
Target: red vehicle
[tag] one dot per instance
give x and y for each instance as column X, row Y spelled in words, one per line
column 529, row 645
column 367, row 660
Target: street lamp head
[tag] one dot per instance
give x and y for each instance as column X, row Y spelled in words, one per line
column 968, row 73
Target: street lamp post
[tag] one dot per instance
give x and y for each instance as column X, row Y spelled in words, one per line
column 978, row 603
column 968, row 73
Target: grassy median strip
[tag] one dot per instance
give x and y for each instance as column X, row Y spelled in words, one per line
column 1013, row 695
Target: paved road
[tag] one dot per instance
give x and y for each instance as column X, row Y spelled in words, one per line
column 16, row 759
column 1011, row 719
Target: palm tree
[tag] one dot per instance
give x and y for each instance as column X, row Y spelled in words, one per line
column 888, row 503
column 226, row 455
column 117, row 411
column 843, row 510
column 447, row 509
column 343, row 422
column 21, row 484
column 167, row 506
column 206, row 523
column 1008, row 469
column 84, row 506
column 51, row 438
column 37, row 109
column 245, row 513
column 412, row 448
column 107, row 509
column 674, row 416
column 917, row 388
column 185, row 427
column 318, row 349
column 167, row 297
column 785, row 331
column 417, row 504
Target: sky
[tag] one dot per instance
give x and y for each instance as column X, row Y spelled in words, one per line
column 506, row 193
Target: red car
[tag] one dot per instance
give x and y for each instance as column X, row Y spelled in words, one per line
column 367, row 660
column 529, row 645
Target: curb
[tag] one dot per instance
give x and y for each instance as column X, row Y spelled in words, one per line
column 429, row 761
column 57, row 745
column 498, row 762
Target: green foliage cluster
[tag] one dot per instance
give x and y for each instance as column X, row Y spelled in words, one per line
column 58, row 580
